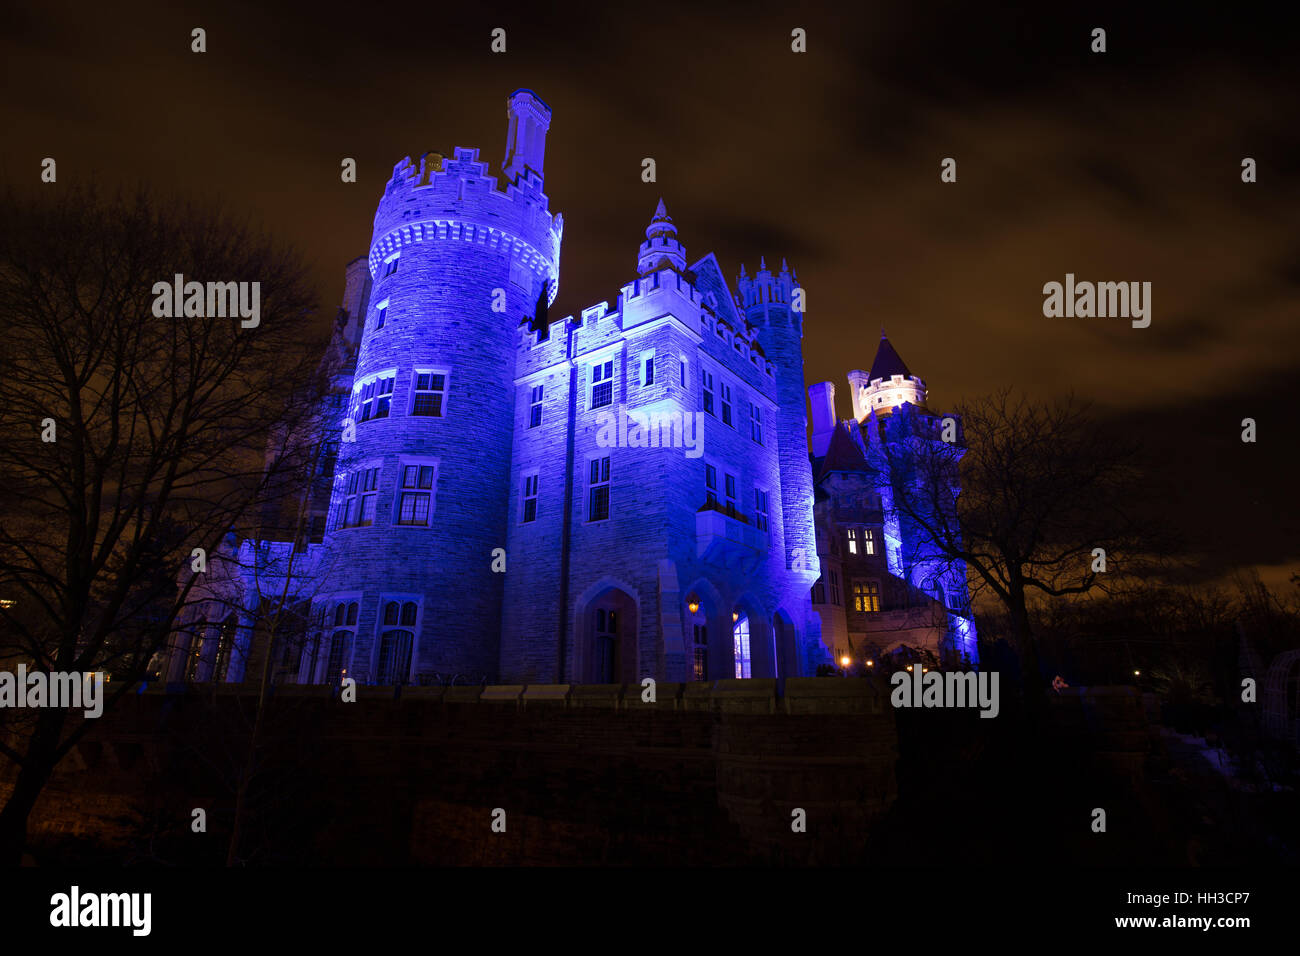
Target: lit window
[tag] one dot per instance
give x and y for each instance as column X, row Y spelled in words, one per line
column 602, row 384
column 530, row 497
column 416, row 499
column 869, row 541
column 535, row 407
column 359, row 501
column 740, row 645
column 866, row 596
column 598, row 490
column 853, row 541
column 430, row 393
column 374, row 398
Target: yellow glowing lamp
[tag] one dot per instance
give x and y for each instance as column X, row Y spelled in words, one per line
column 844, row 661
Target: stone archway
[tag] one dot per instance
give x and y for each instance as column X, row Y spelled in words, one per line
column 607, row 628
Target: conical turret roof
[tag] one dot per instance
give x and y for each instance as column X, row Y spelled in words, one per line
column 887, row 361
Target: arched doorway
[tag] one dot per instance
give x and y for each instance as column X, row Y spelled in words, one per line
column 607, row 645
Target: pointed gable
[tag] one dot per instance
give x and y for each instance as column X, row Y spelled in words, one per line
column 709, row 278
column 844, row 453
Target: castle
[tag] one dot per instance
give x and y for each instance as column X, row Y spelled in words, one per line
column 621, row 494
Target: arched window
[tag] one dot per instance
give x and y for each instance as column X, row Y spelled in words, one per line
column 340, row 646
column 391, row 612
column 408, row 614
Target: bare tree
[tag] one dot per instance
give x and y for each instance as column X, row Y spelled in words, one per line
column 132, row 439
column 1036, row 499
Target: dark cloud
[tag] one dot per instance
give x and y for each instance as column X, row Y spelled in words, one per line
column 1123, row 166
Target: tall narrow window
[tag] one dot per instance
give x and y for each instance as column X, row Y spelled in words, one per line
column 345, row 623
column 706, row 386
column 530, row 497
column 395, row 644
column 868, row 541
column 391, row 265
column 648, row 370
column 701, row 661
column 756, row 423
column 760, row 510
column 710, row 484
column 683, row 371
column 416, row 498
column 731, row 493
column 853, row 540
column 726, row 404
column 602, row 384
column 819, row 592
column 430, row 392
column 598, row 490
column 381, row 316
column 535, row 406
column 866, row 596
column 835, row 588
column 740, row 645
column 225, row 647
column 359, row 504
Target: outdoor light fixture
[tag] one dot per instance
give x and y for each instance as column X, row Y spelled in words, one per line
column 909, row 668
column 735, row 616
column 871, row 663
column 693, row 605
column 844, row 661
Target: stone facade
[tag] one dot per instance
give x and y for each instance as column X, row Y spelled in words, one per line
column 608, row 497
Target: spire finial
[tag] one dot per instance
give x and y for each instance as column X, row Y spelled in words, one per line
column 661, row 212
column 785, row 267
column 762, row 263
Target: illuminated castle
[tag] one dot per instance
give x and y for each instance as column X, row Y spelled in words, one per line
column 621, row 494
column 882, row 587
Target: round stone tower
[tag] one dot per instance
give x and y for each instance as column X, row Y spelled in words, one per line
column 773, row 304
column 421, row 493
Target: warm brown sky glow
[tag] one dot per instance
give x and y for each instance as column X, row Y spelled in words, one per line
column 1123, row 166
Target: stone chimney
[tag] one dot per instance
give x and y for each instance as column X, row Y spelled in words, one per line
column 530, row 118
column 822, row 398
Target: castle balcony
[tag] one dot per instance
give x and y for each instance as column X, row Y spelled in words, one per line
column 725, row 537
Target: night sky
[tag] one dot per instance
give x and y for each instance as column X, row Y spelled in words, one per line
column 1122, row 166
